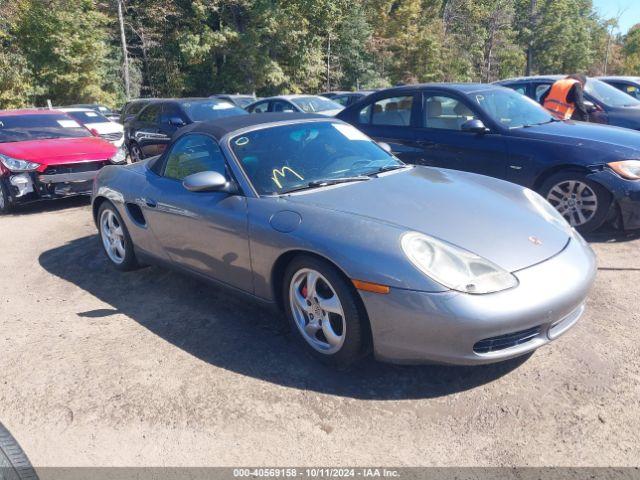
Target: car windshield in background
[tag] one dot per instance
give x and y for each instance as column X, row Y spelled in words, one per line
column 88, row 117
column 608, row 95
column 21, row 128
column 510, row 108
column 291, row 157
column 316, row 104
column 205, row 110
column 244, row 101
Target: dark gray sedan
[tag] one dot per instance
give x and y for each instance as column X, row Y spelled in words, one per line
column 362, row 252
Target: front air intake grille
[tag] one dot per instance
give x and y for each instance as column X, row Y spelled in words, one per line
column 495, row 344
column 112, row 137
column 75, row 167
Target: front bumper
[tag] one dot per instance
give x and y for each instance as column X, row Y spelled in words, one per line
column 416, row 327
column 53, row 183
column 626, row 194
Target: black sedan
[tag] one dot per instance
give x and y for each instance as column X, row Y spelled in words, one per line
column 149, row 132
column 587, row 171
column 605, row 103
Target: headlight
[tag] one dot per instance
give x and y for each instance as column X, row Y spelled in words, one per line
column 629, row 169
column 16, row 165
column 120, row 156
column 454, row 267
column 548, row 211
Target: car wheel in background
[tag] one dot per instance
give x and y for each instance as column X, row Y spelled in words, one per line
column 582, row 202
column 324, row 311
column 115, row 238
column 5, row 200
column 14, row 464
column 135, row 152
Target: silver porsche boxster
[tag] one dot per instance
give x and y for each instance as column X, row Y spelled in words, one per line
column 362, row 252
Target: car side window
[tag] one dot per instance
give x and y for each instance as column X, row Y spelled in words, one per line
column 364, row 116
column 262, row 107
column 280, row 106
column 541, row 89
column 150, row 113
column 194, row 154
column 445, row 113
column 171, row 111
column 341, row 99
column 392, row 111
column 520, row 88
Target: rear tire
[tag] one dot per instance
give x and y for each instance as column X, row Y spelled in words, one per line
column 324, row 312
column 14, row 464
column 115, row 239
column 585, row 204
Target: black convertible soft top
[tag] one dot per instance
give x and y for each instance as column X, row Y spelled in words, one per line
column 219, row 128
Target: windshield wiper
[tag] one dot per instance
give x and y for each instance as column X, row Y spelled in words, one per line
column 324, row 183
column 387, row 168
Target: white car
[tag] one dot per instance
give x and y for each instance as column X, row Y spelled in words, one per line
column 296, row 103
column 98, row 124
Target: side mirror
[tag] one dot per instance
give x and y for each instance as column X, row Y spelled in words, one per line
column 590, row 106
column 176, row 122
column 208, row 182
column 385, row 146
column 475, row 126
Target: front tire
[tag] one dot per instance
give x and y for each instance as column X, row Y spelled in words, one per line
column 5, row 200
column 135, row 152
column 582, row 202
column 324, row 312
column 115, row 239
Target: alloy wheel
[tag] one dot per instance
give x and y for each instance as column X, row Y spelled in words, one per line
column 112, row 236
column 317, row 311
column 575, row 200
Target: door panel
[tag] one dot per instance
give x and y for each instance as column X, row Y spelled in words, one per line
column 203, row 231
column 445, row 145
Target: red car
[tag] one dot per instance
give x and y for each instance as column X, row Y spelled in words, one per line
column 46, row 154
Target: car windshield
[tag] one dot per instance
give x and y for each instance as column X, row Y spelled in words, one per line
column 316, row 104
column 85, row 117
column 608, row 95
column 290, row 157
column 19, row 128
column 244, row 101
column 205, row 110
column 511, row 109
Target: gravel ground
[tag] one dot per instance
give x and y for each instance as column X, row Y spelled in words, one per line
column 154, row 368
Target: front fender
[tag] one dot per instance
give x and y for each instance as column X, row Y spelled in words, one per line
column 362, row 248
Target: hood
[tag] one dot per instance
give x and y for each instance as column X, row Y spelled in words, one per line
column 489, row 217
column 581, row 133
column 60, row 150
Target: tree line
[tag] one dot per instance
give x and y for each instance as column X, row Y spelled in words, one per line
column 72, row 51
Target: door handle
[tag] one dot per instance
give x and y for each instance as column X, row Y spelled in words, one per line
column 515, row 167
column 150, row 202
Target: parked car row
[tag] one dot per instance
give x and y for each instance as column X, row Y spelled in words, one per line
column 423, row 222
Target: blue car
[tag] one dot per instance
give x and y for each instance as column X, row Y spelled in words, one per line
column 588, row 172
column 605, row 103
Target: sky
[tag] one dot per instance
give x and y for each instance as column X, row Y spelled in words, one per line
column 611, row 8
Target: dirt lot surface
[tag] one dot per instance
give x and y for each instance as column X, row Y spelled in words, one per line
column 151, row 367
